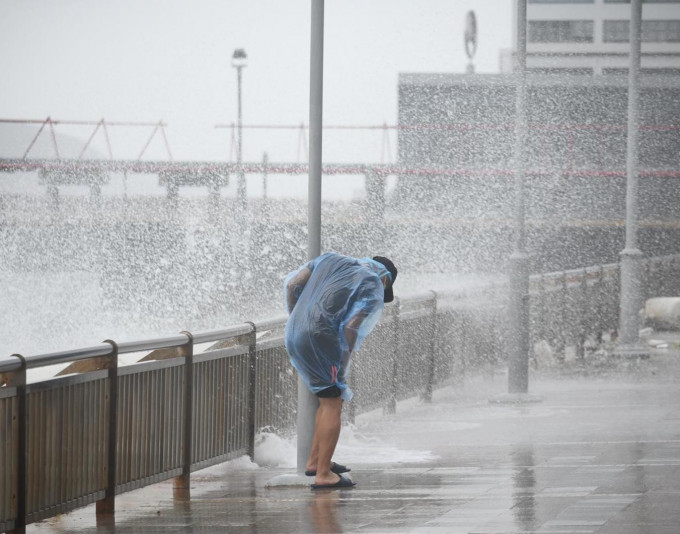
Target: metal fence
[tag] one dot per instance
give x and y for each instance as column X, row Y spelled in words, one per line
column 568, row 307
column 197, row 399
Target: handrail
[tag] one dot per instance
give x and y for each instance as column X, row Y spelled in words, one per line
column 52, row 358
column 271, row 323
column 152, row 344
column 217, row 335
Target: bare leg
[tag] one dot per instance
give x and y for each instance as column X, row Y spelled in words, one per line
column 314, row 451
column 326, row 434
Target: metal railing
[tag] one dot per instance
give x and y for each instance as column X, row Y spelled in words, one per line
column 196, row 400
column 567, row 307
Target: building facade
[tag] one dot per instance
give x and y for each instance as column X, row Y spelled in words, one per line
column 591, row 37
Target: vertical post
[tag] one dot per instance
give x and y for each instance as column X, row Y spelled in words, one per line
column 543, row 319
column 564, row 293
column 600, row 307
column 19, row 380
column 241, row 238
column 518, row 357
column 213, row 194
column 252, row 384
column 391, row 406
column 429, row 384
column 375, row 196
column 107, row 505
column 583, row 317
column 631, row 294
column 96, row 196
column 54, row 199
column 315, row 130
column 181, row 484
column 265, row 207
column 172, row 191
column 307, row 402
column 241, row 193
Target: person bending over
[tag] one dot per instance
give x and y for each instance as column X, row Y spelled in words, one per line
column 334, row 302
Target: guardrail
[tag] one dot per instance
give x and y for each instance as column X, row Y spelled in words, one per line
column 197, row 399
column 567, row 307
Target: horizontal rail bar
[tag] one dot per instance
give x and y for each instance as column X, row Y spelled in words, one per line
column 10, row 365
column 81, row 123
column 52, row 358
column 452, row 126
column 217, row 335
column 152, row 344
column 270, row 324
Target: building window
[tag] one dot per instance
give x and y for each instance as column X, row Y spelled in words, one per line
column 616, row 31
column 561, row 70
column 643, row 1
column 653, row 31
column 661, row 31
column 560, row 31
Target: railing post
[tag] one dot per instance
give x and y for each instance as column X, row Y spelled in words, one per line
column 429, row 385
column 583, row 317
column 540, row 330
column 647, row 288
column 252, row 384
column 562, row 337
column 107, row 505
column 599, row 306
column 19, row 380
column 391, row 406
column 459, row 338
column 181, row 484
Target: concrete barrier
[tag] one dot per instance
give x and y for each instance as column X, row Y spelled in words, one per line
column 663, row 313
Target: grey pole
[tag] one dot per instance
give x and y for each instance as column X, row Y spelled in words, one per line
column 241, row 238
column 241, row 193
column 518, row 347
column 631, row 282
column 307, row 402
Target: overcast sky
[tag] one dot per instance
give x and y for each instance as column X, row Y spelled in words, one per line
column 148, row 60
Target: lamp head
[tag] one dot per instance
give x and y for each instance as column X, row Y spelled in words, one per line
column 239, row 59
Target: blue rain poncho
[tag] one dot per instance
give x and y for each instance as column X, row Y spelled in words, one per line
column 329, row 299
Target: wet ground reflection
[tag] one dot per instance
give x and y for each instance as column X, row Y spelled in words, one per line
column 322, row 509
column 574, row 463
column 524, row 484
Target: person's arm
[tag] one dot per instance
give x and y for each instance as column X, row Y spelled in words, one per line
column 295, row 286
column 352, row 329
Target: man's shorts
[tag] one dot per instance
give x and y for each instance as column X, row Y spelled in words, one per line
column 332, row 392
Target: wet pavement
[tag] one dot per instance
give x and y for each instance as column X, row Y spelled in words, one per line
column 599, row 453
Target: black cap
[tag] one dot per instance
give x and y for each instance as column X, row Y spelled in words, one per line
column 389, row 295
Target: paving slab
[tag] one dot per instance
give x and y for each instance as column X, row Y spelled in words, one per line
column 599, row 454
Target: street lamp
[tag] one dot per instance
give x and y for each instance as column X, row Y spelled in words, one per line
column 631, row 298
column 238, row 61
column 518, row 324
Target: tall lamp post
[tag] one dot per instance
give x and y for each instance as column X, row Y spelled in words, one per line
column 239, row 60
column 519, row 260
column 518, row 308
column 631, row 299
